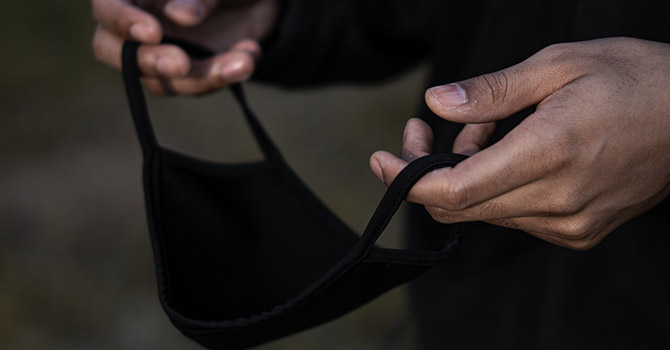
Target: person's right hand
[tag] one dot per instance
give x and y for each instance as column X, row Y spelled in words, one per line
column 232, row 28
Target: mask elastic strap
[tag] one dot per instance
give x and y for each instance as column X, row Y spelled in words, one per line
column 140, row 113
column 138, row 105
column 396, row 194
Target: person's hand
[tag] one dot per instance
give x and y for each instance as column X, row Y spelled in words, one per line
column 594, row 154
column 232, row 27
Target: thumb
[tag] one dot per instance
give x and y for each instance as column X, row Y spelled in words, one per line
column 189, row 13
column 497, row 95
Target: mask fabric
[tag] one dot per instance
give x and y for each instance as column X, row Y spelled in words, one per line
column 245, row 253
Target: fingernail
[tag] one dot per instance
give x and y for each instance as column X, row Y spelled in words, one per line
column 194, row 7
column 378, row 170
column 233, row 71
column 450, row 95
column 138, row 31
column 166, row 65
column 404, row 132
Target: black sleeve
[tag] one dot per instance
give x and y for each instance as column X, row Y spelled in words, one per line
column 319, row 41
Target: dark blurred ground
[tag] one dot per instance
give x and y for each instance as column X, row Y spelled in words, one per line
column 76, row 270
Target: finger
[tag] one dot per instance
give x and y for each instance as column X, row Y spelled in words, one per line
column 165, row 61
column 544, row 198
column 473, row 138
column 127, row 21
column 208, row 75
column 537, row 149
column 417, row 140
column 525, row 201
column 250, row 46
column 497, row 95
column 386, row 166
column 521, row 157
column 189, row 13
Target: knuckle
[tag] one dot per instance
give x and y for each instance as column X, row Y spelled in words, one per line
column 454, row 196
column 561, row 55
column 577, row 229
column 563, row 61
column 440, row 214
column 494, row 85
column 557, row 52
column 581, row 245
column 565, row 202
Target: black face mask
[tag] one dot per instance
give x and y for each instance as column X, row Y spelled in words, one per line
column 245, row 253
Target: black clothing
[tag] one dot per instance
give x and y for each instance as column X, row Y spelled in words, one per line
column 502, row 288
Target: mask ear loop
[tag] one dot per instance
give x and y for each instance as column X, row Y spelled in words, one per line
column 393, row 198
column 136, row 100
column 269, row 149
column 140, row 113
column 389, row 204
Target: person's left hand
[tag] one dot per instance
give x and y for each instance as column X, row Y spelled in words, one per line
column 594, row 154
column 232, row 28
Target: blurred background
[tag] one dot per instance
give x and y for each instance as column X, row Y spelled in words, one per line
column 76, row 270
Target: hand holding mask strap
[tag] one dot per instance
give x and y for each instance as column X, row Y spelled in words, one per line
column 245, row 253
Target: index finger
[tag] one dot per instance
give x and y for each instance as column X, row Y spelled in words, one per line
column 528, row 153
column 521, row 157
column 127, row 20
